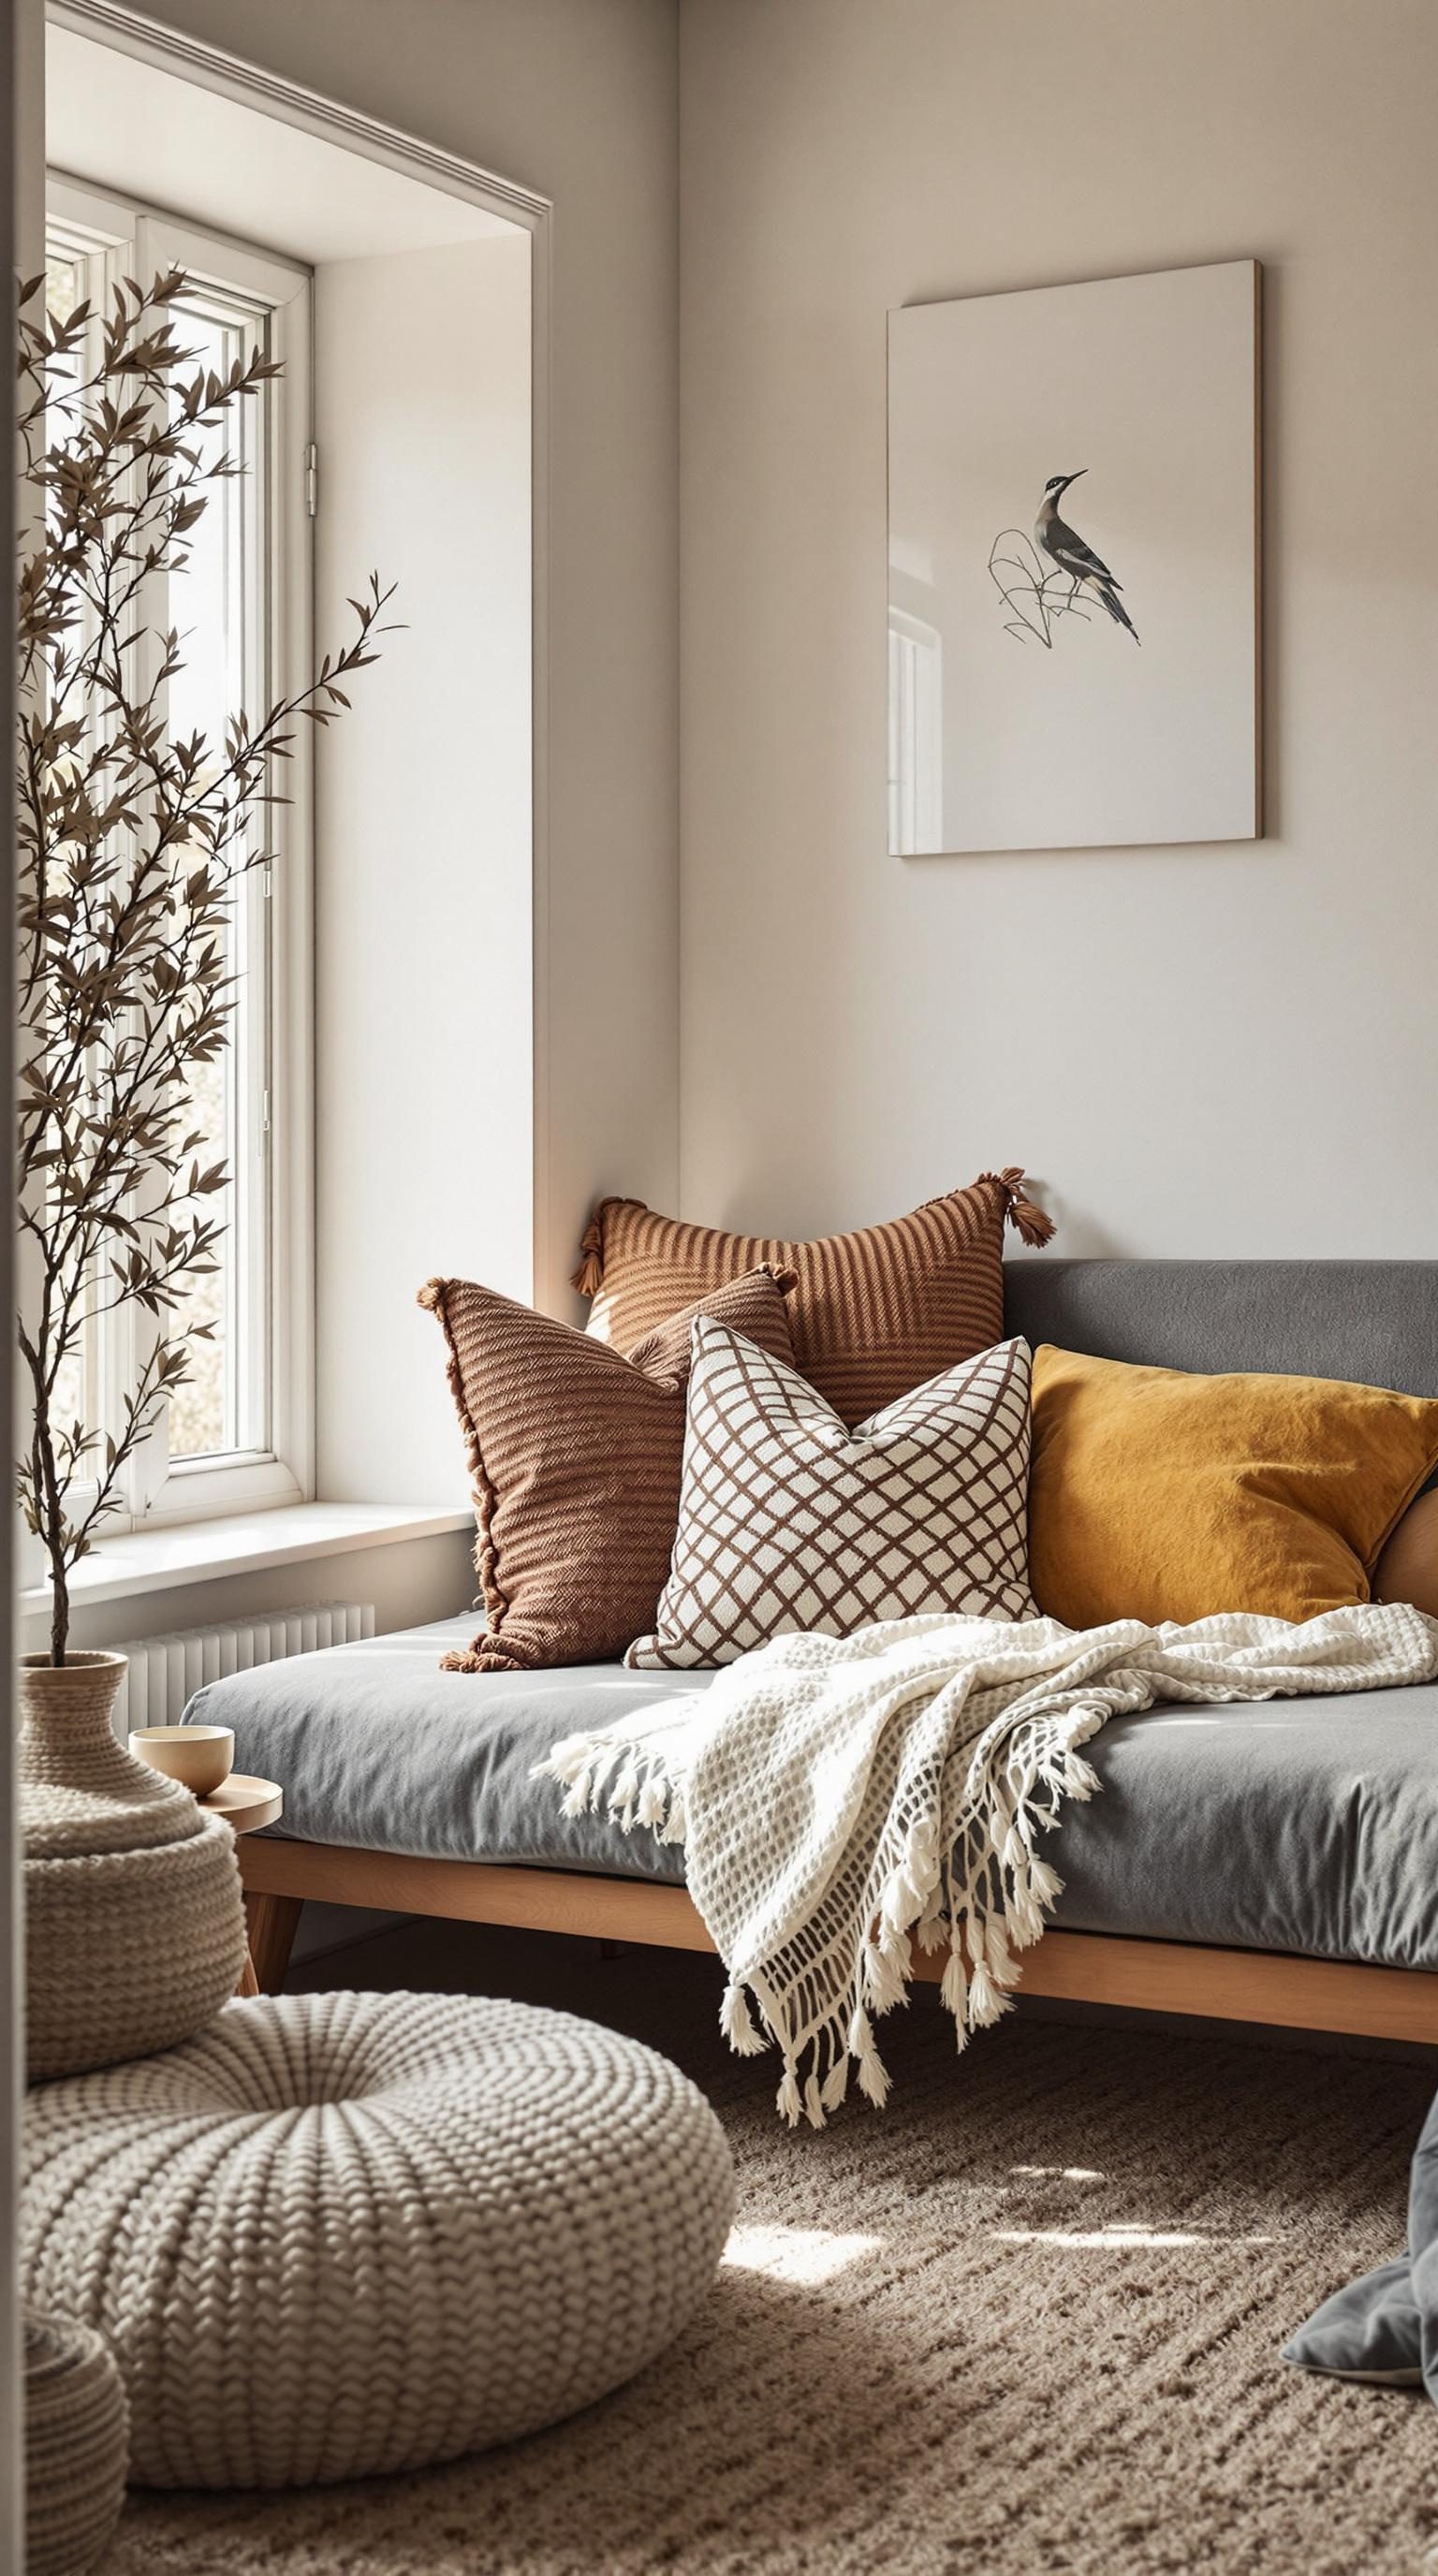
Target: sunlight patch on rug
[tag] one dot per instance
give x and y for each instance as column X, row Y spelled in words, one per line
column 1111, row 2239
column 802, row 2254
column 1059, row 2173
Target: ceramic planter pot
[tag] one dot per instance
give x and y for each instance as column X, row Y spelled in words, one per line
column 134, row 1923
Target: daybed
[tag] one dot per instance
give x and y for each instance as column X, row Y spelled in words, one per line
column 1273, row 1863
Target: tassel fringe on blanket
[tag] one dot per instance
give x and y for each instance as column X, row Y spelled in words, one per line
column 841, row 1798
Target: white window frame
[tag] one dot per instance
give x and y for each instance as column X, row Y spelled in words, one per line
column 138, row 241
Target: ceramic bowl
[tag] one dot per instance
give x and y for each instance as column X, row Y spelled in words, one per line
column 201, row 1758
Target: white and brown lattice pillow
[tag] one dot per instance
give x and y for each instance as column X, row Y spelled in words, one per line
column 788, row 1520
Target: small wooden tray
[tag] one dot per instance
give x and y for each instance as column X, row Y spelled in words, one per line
column 246, row 1802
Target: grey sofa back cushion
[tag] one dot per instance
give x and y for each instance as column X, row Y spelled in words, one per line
column 1374, row 1322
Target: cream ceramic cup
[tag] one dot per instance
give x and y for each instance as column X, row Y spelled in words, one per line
column 201, row 1758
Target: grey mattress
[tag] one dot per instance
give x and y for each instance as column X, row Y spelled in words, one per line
column 1304, row 1825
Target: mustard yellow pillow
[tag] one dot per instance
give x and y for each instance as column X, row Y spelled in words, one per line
column 1159, row 1495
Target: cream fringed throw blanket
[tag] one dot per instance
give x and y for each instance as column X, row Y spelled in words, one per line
column 835, row 1796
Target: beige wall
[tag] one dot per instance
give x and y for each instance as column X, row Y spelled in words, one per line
column 576, row 99
column 1221, row 1050
column 424, row 1111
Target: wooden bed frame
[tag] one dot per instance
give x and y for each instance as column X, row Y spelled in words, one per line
column 1080, row 1967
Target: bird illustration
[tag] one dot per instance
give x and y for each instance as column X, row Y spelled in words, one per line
column 1055, row 538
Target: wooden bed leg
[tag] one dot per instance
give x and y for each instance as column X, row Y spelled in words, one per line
column 272, row 1922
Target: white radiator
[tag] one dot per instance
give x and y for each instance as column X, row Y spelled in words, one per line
column 165, row 1672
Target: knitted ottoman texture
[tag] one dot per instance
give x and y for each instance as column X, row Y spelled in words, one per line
column 340, row 2234
column 75, row 2442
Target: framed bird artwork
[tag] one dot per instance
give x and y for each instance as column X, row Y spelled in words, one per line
column 1074, row 557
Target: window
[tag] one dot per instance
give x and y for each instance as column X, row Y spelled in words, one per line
column 237, row 1434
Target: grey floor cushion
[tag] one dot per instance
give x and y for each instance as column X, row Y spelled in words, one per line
column 338, row 2234
column 1384, row 2327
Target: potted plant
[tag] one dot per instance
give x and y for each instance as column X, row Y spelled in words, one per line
column 131, row 844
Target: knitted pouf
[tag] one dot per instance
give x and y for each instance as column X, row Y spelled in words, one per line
column 134, row 1919
column 337, row 2234
column 75, row 2442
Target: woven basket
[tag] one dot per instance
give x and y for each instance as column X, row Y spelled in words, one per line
column 76, row 2445
column 134, row 1922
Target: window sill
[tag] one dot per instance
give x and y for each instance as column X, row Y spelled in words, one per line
column 159, row 1560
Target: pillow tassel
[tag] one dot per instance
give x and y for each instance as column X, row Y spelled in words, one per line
column 1030, row 1223
column 588, row 1278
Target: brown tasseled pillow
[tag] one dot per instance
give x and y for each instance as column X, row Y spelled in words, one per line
column 873, row 1314
column 574, row 1455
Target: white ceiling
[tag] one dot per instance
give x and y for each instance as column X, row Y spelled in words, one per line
column 146, row 133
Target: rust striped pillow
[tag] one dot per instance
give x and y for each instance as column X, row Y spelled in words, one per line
column 873, row 1314
column 574, row 1457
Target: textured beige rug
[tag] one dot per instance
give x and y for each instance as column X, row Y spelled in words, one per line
column 1025, row 2320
